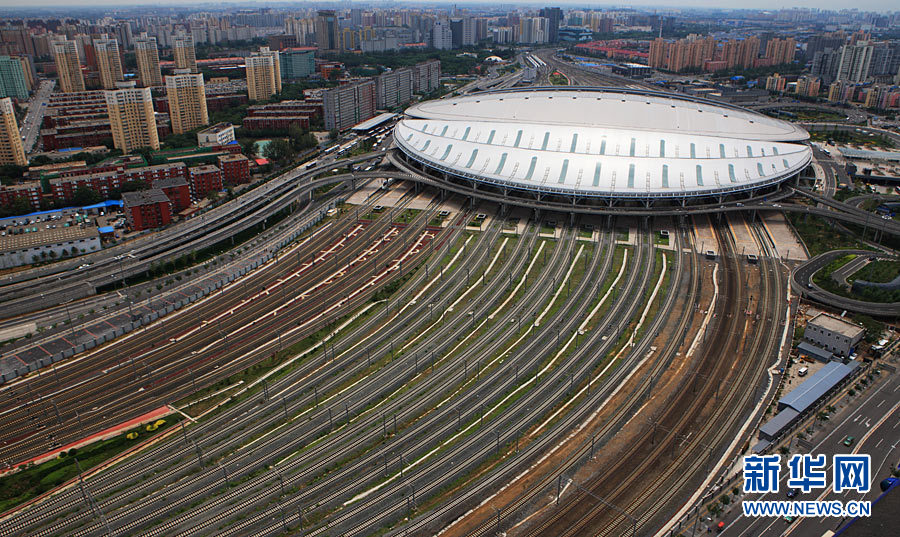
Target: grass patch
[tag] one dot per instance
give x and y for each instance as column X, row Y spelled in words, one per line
column 820, row 236
column 823, row 277
column 33, row 480
column 557, row 79
column 407, row 216
column 878, row 271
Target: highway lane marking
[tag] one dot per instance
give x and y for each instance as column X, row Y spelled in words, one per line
column 813, row 450
column 854, row 451
column 879, row 442
column 881, row 403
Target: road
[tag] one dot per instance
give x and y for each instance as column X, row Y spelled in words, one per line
column 873, row 419
column 31, row 126
column 803, row 284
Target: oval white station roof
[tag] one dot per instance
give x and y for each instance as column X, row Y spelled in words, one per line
column 592, row 142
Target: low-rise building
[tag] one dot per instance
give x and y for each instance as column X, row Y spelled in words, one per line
column 218, row 134
column 833, row 334
column 177, row 190
column 235, row 169
column 30, row 191
column 147, row 209
column 26, row 248
column 205, row 179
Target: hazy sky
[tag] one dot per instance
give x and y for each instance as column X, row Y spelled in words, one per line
column 863, row 5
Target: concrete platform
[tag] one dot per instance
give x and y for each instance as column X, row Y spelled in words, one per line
column 704, row 237
column 743, row 237
column 786, row 243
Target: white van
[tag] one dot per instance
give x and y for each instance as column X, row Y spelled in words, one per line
column 802, row 371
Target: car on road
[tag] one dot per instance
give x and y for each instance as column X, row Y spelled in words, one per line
column 789, row 519
column 792, row 492
column 848, row 441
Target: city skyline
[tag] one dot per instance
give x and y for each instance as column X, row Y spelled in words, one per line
column 770, row 5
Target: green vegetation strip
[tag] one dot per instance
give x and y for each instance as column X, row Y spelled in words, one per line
column 33, row 480
column 820, row 235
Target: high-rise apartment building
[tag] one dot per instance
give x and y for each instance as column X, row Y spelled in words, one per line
column 855, row 62
column 442, row 35
column 109, row 63
column 183, row 49
column 131, row 117
column 68, row 65
column 12, row 78
column 263, row 74
column 147, row 54
column 809, row 86
column 11, row 151
column 554, row 18
column 186, row 93
column 426, row 76
column 781, row 50
column 328, row 36
column 462, row 32
column 534, row 30
column 348, row 105
column 27, row 70
column 393, row 88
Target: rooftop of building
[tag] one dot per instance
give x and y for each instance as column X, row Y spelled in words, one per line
column 603, row 142
column 837, row 325
column 817, row 385
column 232, row 157
column 45, row 237
column 169, row 182
column 144, row 197
column 217, row 128
column 206, row 168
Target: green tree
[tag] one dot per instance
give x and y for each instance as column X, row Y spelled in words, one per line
column 18, row 207
column 248, row 146
column 279, row 151
column 301, row 139
column 85, row 196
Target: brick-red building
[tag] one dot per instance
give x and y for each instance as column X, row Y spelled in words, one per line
column 110, row 179
column 147, row 209
column 205, row 179
column 177, row 190
column 282, row 115
column 235, row 169
column 31, row 191
column 148, row 174
column 254, row 123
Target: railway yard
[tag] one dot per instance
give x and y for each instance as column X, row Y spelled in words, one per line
column 422, row 362
column 500, row 340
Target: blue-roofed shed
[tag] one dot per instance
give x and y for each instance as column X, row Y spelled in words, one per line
column 816, row 386
column 808, row 349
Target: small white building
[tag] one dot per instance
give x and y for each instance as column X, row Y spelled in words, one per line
column 218, row 134
column 833, row 334
column 26, row 248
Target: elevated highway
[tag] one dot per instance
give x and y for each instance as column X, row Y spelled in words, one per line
column 803, row 284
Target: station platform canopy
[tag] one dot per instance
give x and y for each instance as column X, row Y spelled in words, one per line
column 370, row 124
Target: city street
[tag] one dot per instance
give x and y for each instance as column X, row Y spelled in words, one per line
column 31, row 125
column 873, row 420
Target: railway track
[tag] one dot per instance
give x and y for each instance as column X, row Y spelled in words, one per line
column 74, row 391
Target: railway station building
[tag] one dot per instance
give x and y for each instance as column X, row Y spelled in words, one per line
column 602, row 147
